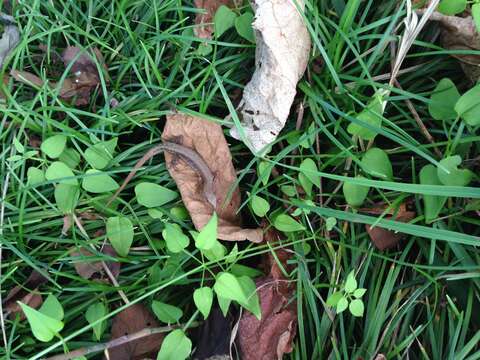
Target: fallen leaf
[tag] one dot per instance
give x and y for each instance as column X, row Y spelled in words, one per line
column 204, row 19
column 272, row 336
column 460, row 33
column 382, row 238
column 135, row 318
column 27, row 293
column 283, row 46
column 10, row 37
column 87, row 268
column 207, row 139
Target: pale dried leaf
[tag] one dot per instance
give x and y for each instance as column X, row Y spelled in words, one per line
column 10, row 37
column 283, row 46
column 87, row 268
column 204, row 20
column 134, row 318
column 207, row 139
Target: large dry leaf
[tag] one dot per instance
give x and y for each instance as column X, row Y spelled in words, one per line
column 382, row 238
column 78, row 87
column 10, row 37
column 87, row 268
column 207, row 139
column 134, row 318
column 460, row 33
column 283, row 46
column 272, row 336
column 204, row 19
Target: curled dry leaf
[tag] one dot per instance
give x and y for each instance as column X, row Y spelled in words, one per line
column 204, row 19
column 85, row 77
column 10, row 37
column 385, row 239
column 207, row 139
column 87, row 268
column 272, row 336
column 460, row 33
column 283, row 46
column 27, row 294
column 135, row 318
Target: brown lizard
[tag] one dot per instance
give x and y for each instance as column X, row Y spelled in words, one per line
column 191, row 157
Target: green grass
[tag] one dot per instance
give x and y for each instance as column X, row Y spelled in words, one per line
column 422, row 297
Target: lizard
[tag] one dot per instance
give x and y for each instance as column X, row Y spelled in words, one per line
column 191, row 157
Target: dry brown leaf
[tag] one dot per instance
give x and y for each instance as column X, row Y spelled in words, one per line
column 382, row 238
column 87, row 268
column 135, row 318
column 460, row 33
column 207, row 139
column 283, row 46
column 204, row 20
column 272, row 336
column 78, row 87
column 32, row 299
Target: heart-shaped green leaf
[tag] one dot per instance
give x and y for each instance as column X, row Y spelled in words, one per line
column 120, row 234
column 52, row 307
column 243, row 25
column 154, row 195
column 286, row 223
column 54, row 145
column 66, row 197
column 223, row 20
column 433, row 204
column 96, row 181
column 94, row 312
column 166, row 313
column 260, row 206
column 44, row 327
column 208, row 235
column 376, row 163
column 452, row 7
column 203, row 299
column 355, row 194
column 174, row 237
column 455, row 176
column 468, row 106
column 443, row 100
column 60, row 172
column 372, row 115
column 175, row 346
column 100, row 154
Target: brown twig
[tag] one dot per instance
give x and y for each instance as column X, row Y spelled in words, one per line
column 116, row 342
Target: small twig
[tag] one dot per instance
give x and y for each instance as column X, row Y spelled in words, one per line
column 115, row 342
column 115, row 283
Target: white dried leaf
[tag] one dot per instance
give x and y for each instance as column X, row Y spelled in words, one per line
column 10, row 37
column 283, row 46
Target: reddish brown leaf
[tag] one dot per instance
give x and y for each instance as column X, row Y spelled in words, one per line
column 382, row 238
column 87, row 268
column 207, row 139
column 204, row 20
column 135, row 318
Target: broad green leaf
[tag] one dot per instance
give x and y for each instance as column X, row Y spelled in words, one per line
column 307, row 185
column 468, row 106
column 452, row 7
column 310, row 170
column 260, row 206
column 227, row 286
column 376, row 163
column 372, row 115
column 175, row 346
column 250, row 290
column 44, row 327
column 58, row 171
column 180, row 213
column 243, row 270
column 203, row 299
column 359, row 293
column 166, row 313
column 286, row 223
column 216, row 253
column 54, row 145
column 96, row 181
column 356, row 307
column 355, row 194
column 232, row 256
column 94, row 312
column 51, row 307
column 333, row 299
column 455, row 177
column 224, row 304
column 342, row 304
column 70, row 157
column 66, row 197
column 350, row 283
column 154, row 195
column 35, row 176
column 433, row 204
column 204, row 49
column 443, row 100
column 100, row 154
column 18, row 146
column 476, row 15
column 208, row 235
column 243, row 25
column 264, row 170
column 120, row 234
column 330, row 223
column 223, row 20
column 288, row 190
column 174, row 237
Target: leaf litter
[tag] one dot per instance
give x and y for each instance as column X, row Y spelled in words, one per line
column 204, row 19
column 87, row 267
column 282, row 53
